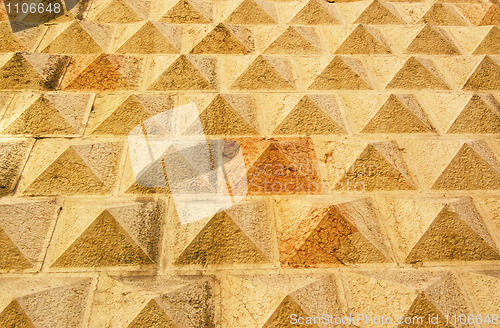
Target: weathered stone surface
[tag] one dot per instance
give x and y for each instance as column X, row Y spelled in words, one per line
column 25, row 228
column 59, row 168
column 13, row 156
column 110, row 235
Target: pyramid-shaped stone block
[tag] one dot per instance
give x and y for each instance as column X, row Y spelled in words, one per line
column 316, row 13
column 342, row 73
column 182, row 74
column 480, row 115
column 103, row 243
column 439, row 242
column 40, row 118
column 399, row 114
column 379, row 167
column 486, row 76
column 102, row 73
column 118, row 12
column 292, row 42
column 417, row 73
column 334, row 240
column 364, row 42
column 189, row 12
column 378, row 13
column 124, row 118
column 23, row 237
column 474, row 167
column 220, row 118
column 150, row 38
column 253, row 12
column 275, row 170
column 81, row 169
column 221, row 241
column 307, row 118
column 18, row 73
column 74, row 39
column 221, row 40
column 443, row 14
column 430, row 41
column 265, row 73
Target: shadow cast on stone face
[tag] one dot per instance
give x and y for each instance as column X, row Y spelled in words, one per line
column 25, row 14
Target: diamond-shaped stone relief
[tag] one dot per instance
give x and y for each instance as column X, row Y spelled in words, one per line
column 57, row 168
column 109, row 234
column 25, row 229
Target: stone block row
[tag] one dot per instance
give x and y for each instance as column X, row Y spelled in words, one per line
column 361, row 113
column 106, row 73
column 388, row 297
column 167, row 235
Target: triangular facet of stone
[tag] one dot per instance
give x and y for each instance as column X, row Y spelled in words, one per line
column 372, row 171
column 477, row 117
column 73, row 40
column 221, row 241
column 485, row 77
column 10, row 256
column 117, row 12
column 281, row 316
column 221, row 118
column 9, row 42
column 40, row 118
column 249, row 12
column 307, row 118
column 490, row 44
column 450, row 238
column 18, row 73
column 314, row 13
column 335, row 241
column 414, row 75
column 261, row 75
column 14, row 316
column 220, row 41
column 152, row 316
column 395, row 117
column 338, row 75
column 442, row 14
column 65, row 175
column 377, row 13
column 361, row 41
column 468, row 171
column 181, row 75
column 123, row 119
column 432, row 42
column 104, row 243
column 184, row 13
column 492, row 16
column 423, row 308
column 147, row 40
column 291, row 42
column 101, row 74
